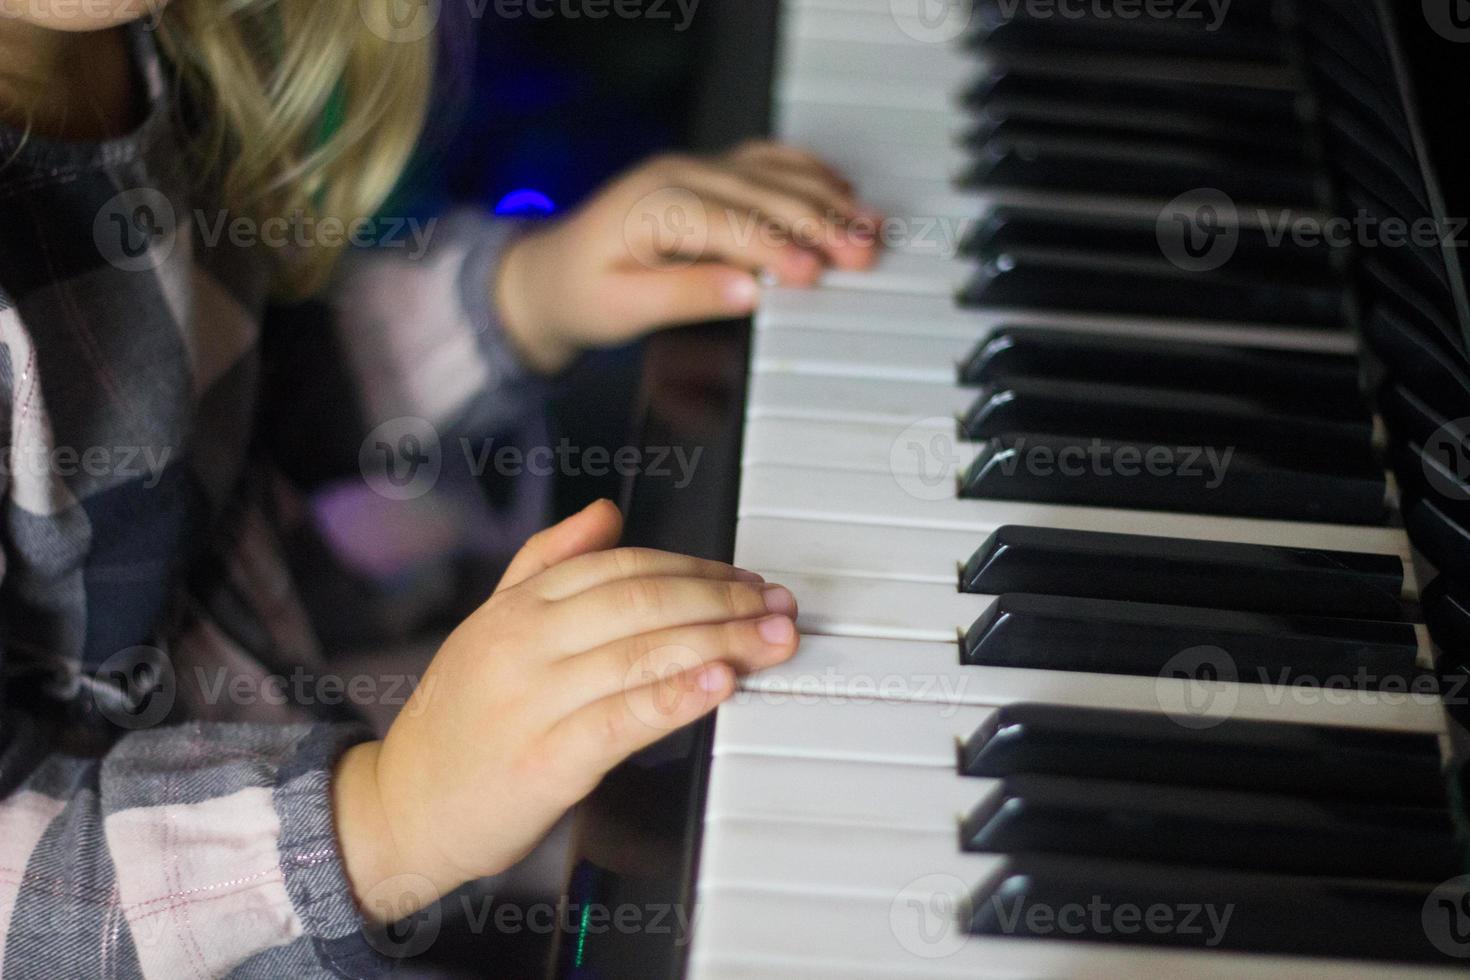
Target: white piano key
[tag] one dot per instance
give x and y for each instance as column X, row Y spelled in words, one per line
column 905, row 553
column 832, row 791
column 944, row 71
column 892, row 500
column 915, row 354
column 869, row 670
column 925, row 611
column 850, row 311
column 785, row 394
column 744, row 934
column 892, row 732
column 905, row 271
column 816, row 858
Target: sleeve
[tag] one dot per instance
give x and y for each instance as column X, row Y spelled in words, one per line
column 406, row 339
column 129, row 848
column 195, row 850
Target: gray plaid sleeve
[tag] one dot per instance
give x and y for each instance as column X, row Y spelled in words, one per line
column 421, row 332
column 198, row 850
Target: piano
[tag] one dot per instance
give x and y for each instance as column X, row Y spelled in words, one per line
column 1127, row 503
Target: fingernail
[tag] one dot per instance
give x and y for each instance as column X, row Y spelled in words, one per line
column 776, row 630
column 742, row 293
column 714, row 678
column 779, row 600
column 742, row 575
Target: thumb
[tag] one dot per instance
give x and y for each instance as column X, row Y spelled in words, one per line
column 653, row 299
column 596, row 528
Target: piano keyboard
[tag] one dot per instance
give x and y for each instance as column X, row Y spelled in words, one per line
column 1112, row 659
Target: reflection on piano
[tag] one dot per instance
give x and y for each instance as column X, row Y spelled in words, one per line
column 1127, row 506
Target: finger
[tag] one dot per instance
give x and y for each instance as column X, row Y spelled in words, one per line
column 617, row 610
column 813, row 187
column 606, row 732
column 640, row 301
column 804, row 220
column 785, row 155
column 746, row 646
column 596, row 528
column 586, row 571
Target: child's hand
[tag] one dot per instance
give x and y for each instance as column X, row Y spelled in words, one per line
column 583, row 656
column 677, row 241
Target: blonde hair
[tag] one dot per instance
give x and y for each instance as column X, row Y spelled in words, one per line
column 309, row 106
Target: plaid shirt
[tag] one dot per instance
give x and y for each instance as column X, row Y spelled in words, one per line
column 149, row 398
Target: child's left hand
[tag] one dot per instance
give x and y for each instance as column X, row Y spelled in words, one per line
column 678, row 240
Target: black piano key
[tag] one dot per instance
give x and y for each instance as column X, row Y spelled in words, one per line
column 1183, row 129
column 1133, row 168
column 1090, row 282
column 1273, row 109
column 1163, row 415
column 1090, row 900
column 1176, row 571
column 1418, row 359
column 1211, row 828
column 1400, row 768
column 1441, row 538
column 1447, row 613
column 1005, row 27
column 1096, row 472
column 1104, row 636
column 1323, row 385
column 1257, row 250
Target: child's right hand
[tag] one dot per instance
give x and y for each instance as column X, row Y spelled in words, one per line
column 582, row 656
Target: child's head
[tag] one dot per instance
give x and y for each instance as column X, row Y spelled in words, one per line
column 301, row 105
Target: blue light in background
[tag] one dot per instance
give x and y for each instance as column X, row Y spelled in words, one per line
column 525, row 203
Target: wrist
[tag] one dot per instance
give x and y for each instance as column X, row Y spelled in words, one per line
column 370, row 855
column 520, row 284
